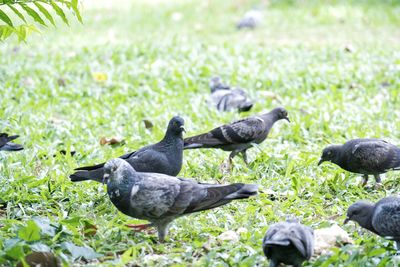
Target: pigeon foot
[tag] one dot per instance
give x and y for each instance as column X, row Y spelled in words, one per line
column 138, row 227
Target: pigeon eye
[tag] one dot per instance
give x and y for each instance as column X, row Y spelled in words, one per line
column 114, row 168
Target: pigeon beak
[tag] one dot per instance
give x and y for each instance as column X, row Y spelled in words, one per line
column 287, row 118
column 105, row 178
column 320, row 161
column 346, row 220
column 183, row 129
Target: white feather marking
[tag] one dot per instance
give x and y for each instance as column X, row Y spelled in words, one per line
column 134, row 190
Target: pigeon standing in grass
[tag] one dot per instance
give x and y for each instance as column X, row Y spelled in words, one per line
column 238, row 136
column 288, row 242
column 364, row 156
column 382, row 218
column 7, row 145
column 160, row 198
column 163, row 157
column 250, row 20
column 225, row 98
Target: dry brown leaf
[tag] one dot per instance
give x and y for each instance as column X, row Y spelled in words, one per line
column 148, row 124
column 110, row 141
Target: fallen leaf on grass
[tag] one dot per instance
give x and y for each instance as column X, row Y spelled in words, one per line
column 111, row 141
column 148, row 124
column 99, row 77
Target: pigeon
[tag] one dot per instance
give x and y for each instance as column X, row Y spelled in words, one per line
column 364, row 156
column 160, row 198
column 163, row 157
column 7, row 145
column 225, row 98
column 288, row 242
column 382, row 218
column 250, row 20
column 239, row 135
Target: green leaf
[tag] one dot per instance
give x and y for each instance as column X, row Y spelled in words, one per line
column 59, row 12
column 31, row 12
column 5, row 18
column 45, row 13
column 16, row 11
column 5, row 31
column 80, row 252
column 31, row 232
column 74, row 4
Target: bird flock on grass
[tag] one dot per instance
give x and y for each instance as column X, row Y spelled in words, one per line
column 143, row 184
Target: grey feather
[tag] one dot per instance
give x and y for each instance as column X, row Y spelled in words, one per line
column 251, row 20
column 160, row 198
column 364, row 156
column 162, row 157
column 239, row 135
column 225, row 98
column 7, row 145
column 288, row 243
column 382, row 218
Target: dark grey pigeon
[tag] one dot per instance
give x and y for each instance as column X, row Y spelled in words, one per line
column 239, row 135
column 382, row 218
column 160, row 198
column 225, row 98
column 251, row 19
column 364, row 156
column 289, row 243
column 7, row 145
column 163, row 157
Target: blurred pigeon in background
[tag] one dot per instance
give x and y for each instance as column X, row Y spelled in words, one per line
column 163, row 157
column 225, row 98
column 250, row 20
column 364, row 156
column 7, row 145
column 239, row 135
column 382, row 218
column 288, row 242
column 160, row 198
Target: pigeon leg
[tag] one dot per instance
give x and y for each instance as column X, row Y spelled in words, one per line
column 244, row 155
column 139, row 227
column 378, row 184
column 226, row 167
column 162, row 232
column 397, row 247
column 364, row 180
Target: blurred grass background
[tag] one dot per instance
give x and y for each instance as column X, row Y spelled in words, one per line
column 333, row 64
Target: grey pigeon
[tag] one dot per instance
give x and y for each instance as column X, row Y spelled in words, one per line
column 163, row 157
column 160, row 198
column 251, row 19
column 238, row 136
column 7, row 145
column 382, row 218
column 225, row 98
column 288, row 242
column 364, row 156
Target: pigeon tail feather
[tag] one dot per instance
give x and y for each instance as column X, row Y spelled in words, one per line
column 12, row 147
column 247, row 190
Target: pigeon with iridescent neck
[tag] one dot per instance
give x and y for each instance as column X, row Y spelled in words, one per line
column 163, row 157
column 160, row 198
column 238, row 136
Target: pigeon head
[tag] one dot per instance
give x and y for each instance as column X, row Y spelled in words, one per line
column 116, row 170
column 360, row 212
column 329, row 154
column 281, row 113
column 176, row 125
column 216, row 84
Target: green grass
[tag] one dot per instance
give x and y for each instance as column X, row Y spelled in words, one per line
column 156, row 68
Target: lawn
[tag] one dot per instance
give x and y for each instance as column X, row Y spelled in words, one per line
column 334, row 65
